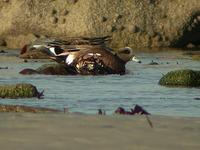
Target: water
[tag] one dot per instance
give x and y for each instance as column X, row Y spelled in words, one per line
column 88, row 93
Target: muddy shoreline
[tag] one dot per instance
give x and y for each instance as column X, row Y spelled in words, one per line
column 61, row 131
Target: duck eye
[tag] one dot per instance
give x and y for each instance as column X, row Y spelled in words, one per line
column 126, row 52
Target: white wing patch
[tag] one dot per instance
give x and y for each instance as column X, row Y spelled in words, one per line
column 70, row 58
column 52, row 50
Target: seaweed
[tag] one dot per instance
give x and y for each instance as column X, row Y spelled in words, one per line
column 185, row 78
column 22, row 90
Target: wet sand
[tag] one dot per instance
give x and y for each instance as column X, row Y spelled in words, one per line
column 71, row 131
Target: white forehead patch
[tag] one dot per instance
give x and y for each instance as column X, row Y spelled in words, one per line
column 70, row 58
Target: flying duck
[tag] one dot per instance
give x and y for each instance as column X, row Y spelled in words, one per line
column 95, row 59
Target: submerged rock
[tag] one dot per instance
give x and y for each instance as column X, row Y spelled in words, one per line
column 47, row 69
column 19, row 108
column 28, row 71
column 185, row 78
column 22, row 90
column 52, row 69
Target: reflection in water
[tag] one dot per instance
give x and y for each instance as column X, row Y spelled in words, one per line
column 89, row 93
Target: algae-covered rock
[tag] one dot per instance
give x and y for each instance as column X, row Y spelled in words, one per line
column 196, row 57
column 187, row 78
column 19, row 91
column 20, row 108
column 53, row 69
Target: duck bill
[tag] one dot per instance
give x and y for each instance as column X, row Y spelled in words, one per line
column 135, row 59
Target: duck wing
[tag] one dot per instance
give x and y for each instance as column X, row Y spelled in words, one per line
column 91, row 63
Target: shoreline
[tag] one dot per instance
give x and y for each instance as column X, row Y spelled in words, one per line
column 75, row 131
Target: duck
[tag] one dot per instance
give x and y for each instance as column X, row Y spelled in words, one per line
column 45, row 47
column 95, row 59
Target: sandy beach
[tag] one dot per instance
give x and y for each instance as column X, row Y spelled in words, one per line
column 71, row 131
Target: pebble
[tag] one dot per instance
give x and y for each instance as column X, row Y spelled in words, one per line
column 3, row 67
column 2, row 51
column 153, row 63
column 104, row 19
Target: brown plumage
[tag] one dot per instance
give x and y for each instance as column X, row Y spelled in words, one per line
column 94, row 60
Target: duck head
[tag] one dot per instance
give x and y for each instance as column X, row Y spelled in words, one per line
column 126, row 54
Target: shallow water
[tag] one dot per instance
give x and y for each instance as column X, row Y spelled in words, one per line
column 88, row 93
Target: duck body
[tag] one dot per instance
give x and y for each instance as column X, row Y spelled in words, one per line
column 91, row 60
column 94, row 59
column 84, row 56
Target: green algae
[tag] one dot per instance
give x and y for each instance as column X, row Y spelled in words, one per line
column 23, row 90
column 185, row 78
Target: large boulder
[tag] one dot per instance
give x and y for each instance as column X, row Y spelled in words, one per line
column 134, row 23
column 22, row 90
column 185, row 78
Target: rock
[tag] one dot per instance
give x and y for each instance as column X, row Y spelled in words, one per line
column 65, row 12
column 185, row 78
column 3, row 68
column 113, row 29
column 85, row 19
column 3, row 42
column 52, row 69
column 196, row 57
column 28, row 71
column 35, row 54
column 134, row 29
column 6, row 1
column 47, row 69
column 22, row 90
column 20, row 108
column 54, row 20
column 190, row 45
column 3, row 51
column 54, row 11
column 104, row 19
column 153, row 63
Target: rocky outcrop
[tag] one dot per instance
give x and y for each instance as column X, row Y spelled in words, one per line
column 185, row 78
column 134, row 23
